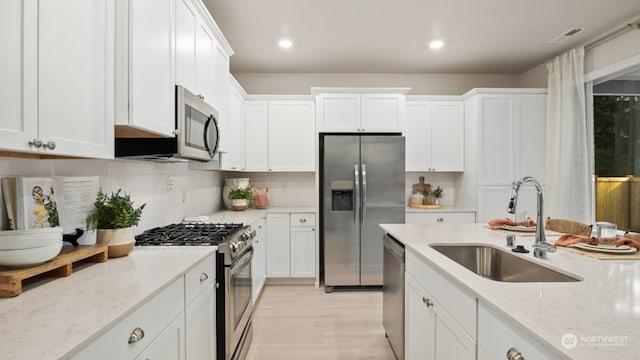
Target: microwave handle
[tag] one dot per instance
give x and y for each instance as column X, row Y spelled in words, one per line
column 206, row 132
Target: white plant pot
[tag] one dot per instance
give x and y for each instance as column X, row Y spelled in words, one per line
column 116, row 236
column 239, row 204
column 231, row 184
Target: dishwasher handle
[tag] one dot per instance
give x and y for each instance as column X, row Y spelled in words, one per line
column 394, row 246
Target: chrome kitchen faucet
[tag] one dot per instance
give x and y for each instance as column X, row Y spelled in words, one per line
column 541, row 246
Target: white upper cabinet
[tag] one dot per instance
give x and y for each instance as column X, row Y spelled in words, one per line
column 145, row 67
column 256, row 157
column 291, row 137
column 434, row 132
column 57, row 76
column 232, row 131
column 340, row 111
column 280, row 135
column 512, row 137
column 196, row 50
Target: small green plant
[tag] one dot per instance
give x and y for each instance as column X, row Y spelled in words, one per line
column 241, row 193
column 114, row 211
column 437, row 193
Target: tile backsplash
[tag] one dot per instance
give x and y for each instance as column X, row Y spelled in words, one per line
column 445, row 180
column 171, row 191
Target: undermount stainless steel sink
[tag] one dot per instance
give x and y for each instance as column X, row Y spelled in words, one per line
column 499, row 265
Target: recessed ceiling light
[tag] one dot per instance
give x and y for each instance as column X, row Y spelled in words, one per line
column 285, row 43
column 436, row 44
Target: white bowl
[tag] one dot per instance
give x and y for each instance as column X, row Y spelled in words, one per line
column 29, row 257
column 30, row 239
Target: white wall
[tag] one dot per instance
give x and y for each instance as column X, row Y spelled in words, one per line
column 420, row 84
column 192, row 193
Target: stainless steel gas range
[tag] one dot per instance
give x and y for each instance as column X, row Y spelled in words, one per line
column 233, row 276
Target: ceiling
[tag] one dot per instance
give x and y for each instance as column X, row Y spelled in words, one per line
column 384, row 36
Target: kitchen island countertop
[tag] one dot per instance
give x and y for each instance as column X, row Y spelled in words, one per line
column 56, row 317
column 602, row 311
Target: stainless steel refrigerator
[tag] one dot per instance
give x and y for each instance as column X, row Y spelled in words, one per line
column 363, row 185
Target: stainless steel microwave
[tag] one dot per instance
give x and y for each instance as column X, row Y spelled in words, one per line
column 197, row 134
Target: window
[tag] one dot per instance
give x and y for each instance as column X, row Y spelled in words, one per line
column 616, row 116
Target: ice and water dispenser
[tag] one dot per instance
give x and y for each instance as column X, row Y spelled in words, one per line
column 342, row 195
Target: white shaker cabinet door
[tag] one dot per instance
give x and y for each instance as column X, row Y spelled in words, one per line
column 338, row 112
column 76, row 77
column 382, row 112
column 19, row 122
column 303, row 252
column 151, row 61
column 533, row 137
column 200, row 328
column 232, row 133
column 447, row 136
column 278, row 245
column 206, row 47
column 496, row 148
column 256, row 121
column 418, row 322
column 417, row 132
column 169, row 345
column 186, row 23
column 291, row 135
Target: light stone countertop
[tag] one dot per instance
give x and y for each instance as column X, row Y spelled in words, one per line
column 56, row 317
column 249, row 216
column 605, row 303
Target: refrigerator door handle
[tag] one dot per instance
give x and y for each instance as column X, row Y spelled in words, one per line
column 356, row 180
column 364, row 195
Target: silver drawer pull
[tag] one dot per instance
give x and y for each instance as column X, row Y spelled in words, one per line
column 440, row 219
column 514, row 354
column 136, row 335
column 303, row 220
column 427, row 301
column 203, row 277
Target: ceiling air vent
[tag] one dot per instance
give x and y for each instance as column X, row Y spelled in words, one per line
column 564, row 36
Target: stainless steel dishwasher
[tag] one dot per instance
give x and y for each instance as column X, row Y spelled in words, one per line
column 393, row 294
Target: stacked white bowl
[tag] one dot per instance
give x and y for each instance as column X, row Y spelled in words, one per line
column 21, row 248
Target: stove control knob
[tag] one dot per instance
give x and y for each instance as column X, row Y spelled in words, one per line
column 234, row 247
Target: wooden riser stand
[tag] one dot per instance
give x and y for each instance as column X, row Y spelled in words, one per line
column 60, row 266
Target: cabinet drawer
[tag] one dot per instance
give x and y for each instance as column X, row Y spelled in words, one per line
column 440, row 217
column 306, row 219
column 199, row 278
column 152, row 317
column 497, row 335
column 458, row 303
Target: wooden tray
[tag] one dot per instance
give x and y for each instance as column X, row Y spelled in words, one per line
column 60, row 266
column 425, row 206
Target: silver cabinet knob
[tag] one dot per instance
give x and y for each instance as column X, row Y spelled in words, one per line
column 440, row 219
column 37, row 143
column 204, row 277
column 303, row 220
column 427, row 301
column 514, row 354
column 136, row 335
column 50, row 145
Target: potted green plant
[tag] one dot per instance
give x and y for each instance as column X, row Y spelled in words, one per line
column 437, row 194
column 114, row 216
column 240, row 198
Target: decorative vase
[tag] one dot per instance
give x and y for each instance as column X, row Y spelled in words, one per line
column 233, row 183
column 239, row 204
column 120, row 241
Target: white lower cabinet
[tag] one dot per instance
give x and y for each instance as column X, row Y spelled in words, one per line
column 291, row 245
column 177, row 323
column 440, row 318
column 497, row 335
column 440, row 217
column 169, row 345
column 431, row 333
column 259, row 262
column 200, row 327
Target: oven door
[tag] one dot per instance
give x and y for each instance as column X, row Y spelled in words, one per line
column 238, row 302
column 198, row 134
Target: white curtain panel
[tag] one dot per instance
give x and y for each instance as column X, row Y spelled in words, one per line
column 569, row 140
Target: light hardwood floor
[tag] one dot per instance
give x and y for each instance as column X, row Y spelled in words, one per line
column 302, row 322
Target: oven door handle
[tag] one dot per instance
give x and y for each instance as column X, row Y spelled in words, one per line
column 238, row 264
